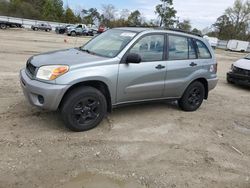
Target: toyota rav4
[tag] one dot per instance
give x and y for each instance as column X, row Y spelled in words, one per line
column 121, row 66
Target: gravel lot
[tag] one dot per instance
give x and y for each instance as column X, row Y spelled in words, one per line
column 149, row 145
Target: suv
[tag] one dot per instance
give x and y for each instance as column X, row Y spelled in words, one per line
column 43, row 27
column 121, row 66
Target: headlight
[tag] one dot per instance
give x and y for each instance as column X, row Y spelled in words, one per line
column 233, row 67
column 51, row 72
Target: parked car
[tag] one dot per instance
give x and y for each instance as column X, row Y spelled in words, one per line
column 5, row 25
column 101, row 29
column 237, row 45
column 240, row 72
column 121, row 66
column 42, row 26
column 62, row 29
column 76, row 30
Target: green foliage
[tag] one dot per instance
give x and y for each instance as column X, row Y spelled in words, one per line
column 90, row 16
column 234, row 24
column 51, row 10
column 197, row 31
column 166, row 13
column 134, row 18
column 185, row 25
column 70, row 16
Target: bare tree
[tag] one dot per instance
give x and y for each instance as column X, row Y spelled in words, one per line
column 239, row 15
column 109, row 12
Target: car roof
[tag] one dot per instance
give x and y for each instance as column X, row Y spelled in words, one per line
column 168, row 30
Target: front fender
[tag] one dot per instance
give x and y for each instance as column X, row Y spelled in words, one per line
column 106, row 74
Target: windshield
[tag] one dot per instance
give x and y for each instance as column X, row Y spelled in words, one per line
column 248, row 57
column 110, row 43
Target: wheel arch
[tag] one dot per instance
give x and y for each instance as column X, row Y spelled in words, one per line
column 204, row 82
column 99, row 85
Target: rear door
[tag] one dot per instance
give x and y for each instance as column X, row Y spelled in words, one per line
column 143, row 81
column 183, row 62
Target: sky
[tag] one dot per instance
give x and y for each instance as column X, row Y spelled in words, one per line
column 201, row 13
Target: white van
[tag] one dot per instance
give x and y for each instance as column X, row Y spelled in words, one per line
column 213, row 41
column 237, row 45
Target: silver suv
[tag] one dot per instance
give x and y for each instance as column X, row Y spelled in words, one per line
column 121, row 66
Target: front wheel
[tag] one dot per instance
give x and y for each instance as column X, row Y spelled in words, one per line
column 83, row 109
column 192, row 97
column 3, row 26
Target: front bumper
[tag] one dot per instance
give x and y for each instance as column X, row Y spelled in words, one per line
column 35, row 90
column 238, row 78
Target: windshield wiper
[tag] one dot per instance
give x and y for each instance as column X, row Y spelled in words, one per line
column 86, row 50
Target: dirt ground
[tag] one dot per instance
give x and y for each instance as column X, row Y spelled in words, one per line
column 150, row 145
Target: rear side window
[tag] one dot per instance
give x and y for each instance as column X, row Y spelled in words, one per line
column 202, row 50
column 177, row 48
column 180, row 48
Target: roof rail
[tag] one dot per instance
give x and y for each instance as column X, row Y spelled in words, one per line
column 182, row 31
column 170, row 29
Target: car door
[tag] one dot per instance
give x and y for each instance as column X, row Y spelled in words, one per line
column 145, row 80
column 182, row 65
column 42, row 26
column 79, row 29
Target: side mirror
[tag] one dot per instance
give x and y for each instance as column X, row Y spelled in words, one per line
column 133, row 58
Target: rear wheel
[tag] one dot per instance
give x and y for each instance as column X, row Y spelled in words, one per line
column 83, row 109
column 192, row 97
column 35, row 29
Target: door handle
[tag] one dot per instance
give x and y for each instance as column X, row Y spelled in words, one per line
column 160, row 67
column 193, row 64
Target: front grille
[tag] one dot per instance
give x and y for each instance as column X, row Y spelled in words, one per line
column 30, row 68
column 241, row 71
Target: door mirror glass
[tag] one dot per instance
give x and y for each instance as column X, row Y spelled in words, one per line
column 133, row 58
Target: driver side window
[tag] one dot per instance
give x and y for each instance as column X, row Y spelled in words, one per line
column 150, row 48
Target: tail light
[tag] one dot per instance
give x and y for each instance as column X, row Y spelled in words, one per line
column 214, row 68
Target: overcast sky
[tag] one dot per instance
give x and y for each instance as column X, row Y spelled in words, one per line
column 201, row 13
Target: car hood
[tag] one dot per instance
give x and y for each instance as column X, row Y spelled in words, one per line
column 69, row 57
column 71, row 27
column 243, row 64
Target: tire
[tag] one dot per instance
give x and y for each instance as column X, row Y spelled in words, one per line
column 229, row 81
column 83, row 109
column 35, row 29
column 192, row 97
column 3, row 26
column 73, row 33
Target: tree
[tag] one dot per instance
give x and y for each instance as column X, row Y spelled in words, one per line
column 108, row 14
column 124, row 14
column 70, row 16
column 91, row 15
column 134, row 18
column 235, row 22
column 185, row 25
column 239, row 16
column 197, row 31
column 224, row 28
column 166, row 13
